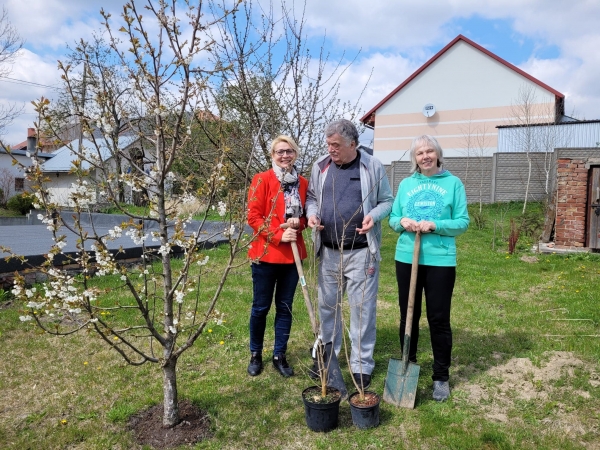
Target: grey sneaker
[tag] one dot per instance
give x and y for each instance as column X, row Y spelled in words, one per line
column 441, row 391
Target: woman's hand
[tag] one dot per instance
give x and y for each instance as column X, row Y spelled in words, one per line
column 426, row 226
column 423, row 226
column 294, row 222
column 289, row 235
column 409, row 224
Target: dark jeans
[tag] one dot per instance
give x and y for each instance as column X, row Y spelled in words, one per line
column 267, row 279
column 438, row 284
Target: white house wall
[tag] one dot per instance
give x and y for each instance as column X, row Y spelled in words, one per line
column 61, row 189
column 469, row 90
column 14, row 170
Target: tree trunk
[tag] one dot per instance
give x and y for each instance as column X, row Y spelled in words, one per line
column 528, row 182
column 171, row 407
column 549, row 218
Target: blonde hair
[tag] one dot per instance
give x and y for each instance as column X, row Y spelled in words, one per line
column 288, row 140
column 429, row 141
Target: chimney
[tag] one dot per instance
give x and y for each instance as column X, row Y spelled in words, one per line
column 31, row 140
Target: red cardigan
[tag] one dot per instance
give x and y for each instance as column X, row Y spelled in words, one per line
column 266, row 212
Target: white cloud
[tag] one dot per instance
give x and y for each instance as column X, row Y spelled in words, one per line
column 396, row 38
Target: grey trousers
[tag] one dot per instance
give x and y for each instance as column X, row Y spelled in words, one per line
column 355, row 272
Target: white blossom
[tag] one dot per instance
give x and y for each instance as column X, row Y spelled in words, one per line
column 179, row 296
column 229, row 232
column 164, row 250
column 34, row 305
column 25, row 318
column 115, row 232
column 222, row 208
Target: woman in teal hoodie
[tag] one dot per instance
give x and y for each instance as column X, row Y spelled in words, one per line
column 433, row 202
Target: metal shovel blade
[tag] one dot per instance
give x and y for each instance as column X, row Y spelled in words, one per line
column 401, row 383
column 334, row 373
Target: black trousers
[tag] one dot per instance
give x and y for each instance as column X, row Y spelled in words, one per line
column 438, row 284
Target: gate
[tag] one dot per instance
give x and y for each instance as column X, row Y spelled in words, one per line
column 593, row 210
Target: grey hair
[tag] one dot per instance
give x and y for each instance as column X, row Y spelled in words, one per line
column 425, row 140
column 344, row 128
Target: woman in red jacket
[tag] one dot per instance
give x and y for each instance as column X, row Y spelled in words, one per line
column 276, row 197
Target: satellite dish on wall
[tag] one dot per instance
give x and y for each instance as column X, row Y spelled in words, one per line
column 429, row 110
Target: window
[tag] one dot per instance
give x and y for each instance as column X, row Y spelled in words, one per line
column 19, row 184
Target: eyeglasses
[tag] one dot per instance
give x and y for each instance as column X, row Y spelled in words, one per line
column 285, row 151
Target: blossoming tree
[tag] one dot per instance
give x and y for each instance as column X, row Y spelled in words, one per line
column 165, row 308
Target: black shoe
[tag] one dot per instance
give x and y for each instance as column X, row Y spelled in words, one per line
column 256, row 365
column 363, row 381
column 282, row 366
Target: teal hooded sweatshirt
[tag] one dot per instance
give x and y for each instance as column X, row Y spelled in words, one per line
column 440, row 199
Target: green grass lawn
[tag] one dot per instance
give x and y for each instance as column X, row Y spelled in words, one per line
column 525, row 373
column 9, row 213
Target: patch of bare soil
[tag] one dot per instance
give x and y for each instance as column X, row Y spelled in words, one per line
column 148, row 429
column 529, row 259
column 520, row 380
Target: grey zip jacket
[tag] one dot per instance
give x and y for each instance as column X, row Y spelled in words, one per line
column 376, row 193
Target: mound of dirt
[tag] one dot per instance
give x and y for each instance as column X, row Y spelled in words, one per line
column 148, row 429
column 520, row 380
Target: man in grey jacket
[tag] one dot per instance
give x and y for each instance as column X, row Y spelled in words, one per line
column 348, row 197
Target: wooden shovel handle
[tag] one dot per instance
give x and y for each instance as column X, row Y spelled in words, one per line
column 309, row 306
column 413, row 285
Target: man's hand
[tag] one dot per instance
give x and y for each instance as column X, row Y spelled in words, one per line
column 314, row 221
column 367, row 224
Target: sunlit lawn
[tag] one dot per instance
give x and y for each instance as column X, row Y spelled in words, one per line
column 73, row 392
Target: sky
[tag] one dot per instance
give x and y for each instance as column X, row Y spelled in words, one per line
column 388, row 40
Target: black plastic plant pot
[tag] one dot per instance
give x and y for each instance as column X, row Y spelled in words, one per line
column 321, row 412
column 365, row 414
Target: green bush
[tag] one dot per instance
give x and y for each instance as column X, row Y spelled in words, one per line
column 20, row 203
column 478, row 218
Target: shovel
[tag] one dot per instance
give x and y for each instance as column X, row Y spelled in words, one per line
column 403, row 375
column 334, row 373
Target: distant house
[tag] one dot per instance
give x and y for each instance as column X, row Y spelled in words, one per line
column 12, row 177
column 45, row 144
column 62, row 182
column 462, row 92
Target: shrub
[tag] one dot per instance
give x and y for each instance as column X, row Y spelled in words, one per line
column 532, row 223
column 479, row 219
column 20, row 203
